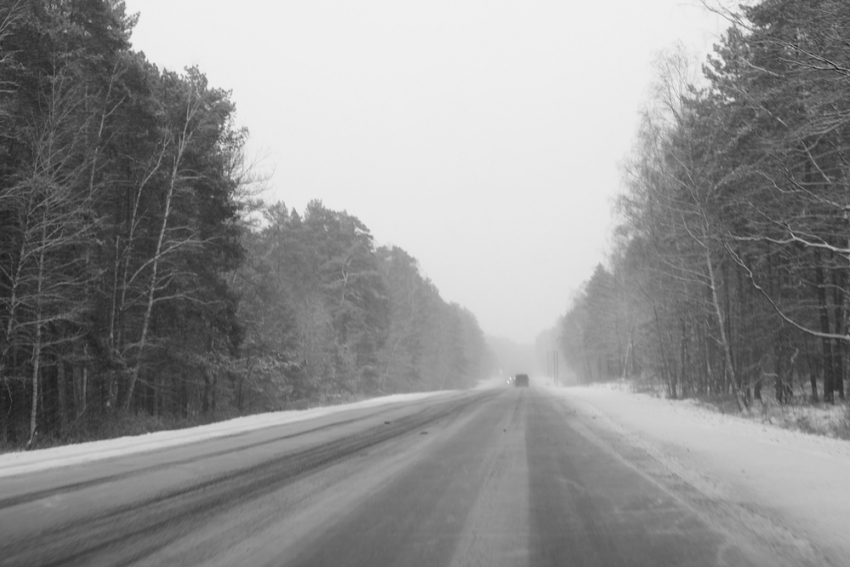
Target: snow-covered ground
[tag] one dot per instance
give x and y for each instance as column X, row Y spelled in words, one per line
column 27, row 462
column 796, row 484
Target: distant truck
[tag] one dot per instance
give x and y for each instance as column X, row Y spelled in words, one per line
column 521, row 381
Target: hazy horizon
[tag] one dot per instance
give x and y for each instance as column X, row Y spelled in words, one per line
column 482, row 137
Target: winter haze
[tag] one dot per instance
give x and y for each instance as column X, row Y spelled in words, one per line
column 482, row 137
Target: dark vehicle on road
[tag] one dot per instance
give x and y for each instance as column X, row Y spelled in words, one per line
column 521, row 381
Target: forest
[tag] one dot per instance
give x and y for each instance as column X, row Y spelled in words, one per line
column 731, row 261
column 143, row 283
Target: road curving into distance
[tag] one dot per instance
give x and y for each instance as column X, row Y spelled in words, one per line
column 487, row 477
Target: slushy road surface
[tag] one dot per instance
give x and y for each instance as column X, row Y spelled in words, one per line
column 505, row 476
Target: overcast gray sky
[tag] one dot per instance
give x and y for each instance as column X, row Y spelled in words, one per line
column 482, row 136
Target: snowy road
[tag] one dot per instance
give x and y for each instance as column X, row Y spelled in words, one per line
column 489, row 477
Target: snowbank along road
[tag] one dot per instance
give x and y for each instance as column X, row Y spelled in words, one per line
column 488, row 477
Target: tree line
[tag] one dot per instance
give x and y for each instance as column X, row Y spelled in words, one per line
column 729, row 274
column 139, row 290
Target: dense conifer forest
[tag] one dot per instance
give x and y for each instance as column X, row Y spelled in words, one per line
column 729, row 275
column 144, row 286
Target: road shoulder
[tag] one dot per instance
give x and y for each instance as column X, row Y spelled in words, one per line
column 784, row 491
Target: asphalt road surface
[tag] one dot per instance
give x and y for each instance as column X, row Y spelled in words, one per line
column 490, row 477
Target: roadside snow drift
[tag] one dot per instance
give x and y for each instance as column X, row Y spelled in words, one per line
column 27, row 462
column 795, row 480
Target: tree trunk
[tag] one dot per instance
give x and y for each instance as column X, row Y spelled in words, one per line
column 664, row 367
column 724, row 342
column 779, row 384
column 840, row 347
column 813, row 378
column 80, row 376
column 36, row 359
column 826, row 343
column 207, row 393
column 37, row 342
column 628, row 369
column 182, row 144
column 61, row 396
column 730, row 337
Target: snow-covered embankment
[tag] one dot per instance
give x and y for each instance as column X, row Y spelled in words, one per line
column 33, row 461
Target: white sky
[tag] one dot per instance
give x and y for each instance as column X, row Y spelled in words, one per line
column 482, row 136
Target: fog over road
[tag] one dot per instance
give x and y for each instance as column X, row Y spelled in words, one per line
column 498, row 476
